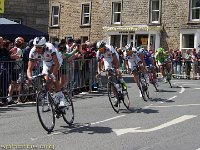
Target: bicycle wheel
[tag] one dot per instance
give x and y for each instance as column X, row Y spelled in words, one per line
column 126, row 99
column 142, row 88
column 24, row 92
column 45, row 111
column 155, row 86
column 113, row 97
column 68, row 112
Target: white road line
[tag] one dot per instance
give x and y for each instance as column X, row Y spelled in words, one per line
column 192, row 84
column 197, row 89
column 56, row 133
column 198, row 149
column 172, row 98
column 186, row 105
column 182, row 89
column 167, row 124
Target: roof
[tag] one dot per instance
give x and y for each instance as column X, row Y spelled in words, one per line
column 12, row 31
column 6, row 21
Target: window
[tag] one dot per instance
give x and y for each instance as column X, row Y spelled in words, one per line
column 155, row 11
column 187, row 41
column 55, row 16
column 195, row 10
column 85, row 17
column 116, row 12
column 84, row 39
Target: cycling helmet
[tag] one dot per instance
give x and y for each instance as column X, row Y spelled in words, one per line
column 128, row 47
column 39, row 41
column 100, row 44
column 160, row 50
column 19, row 41
column 141, row 51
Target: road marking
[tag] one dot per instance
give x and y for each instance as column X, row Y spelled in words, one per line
column 172, row 98
column 56, row 133
column 192, row 84
column 197, row 89
column 170, row 123
column 175, row 106
column 198, row 149
column 182, row 89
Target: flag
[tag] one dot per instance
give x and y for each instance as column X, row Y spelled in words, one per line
column 2, row 6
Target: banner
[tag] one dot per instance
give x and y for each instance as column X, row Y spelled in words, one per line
column 2, row 6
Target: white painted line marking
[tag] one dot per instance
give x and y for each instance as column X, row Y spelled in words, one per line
column 182, row 89
column 147, row 106
column 170, row 123
column 176, row 106
column 198, row 149
column 192, row 84
column 56, row 133
column 197, row 89
column 172, row 98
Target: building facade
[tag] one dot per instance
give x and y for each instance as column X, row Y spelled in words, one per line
column 32, row 13
column 152, row 23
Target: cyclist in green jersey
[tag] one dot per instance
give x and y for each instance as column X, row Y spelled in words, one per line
column 161, row 58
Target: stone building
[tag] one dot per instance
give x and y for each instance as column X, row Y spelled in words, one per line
column 32, row 13
column 153, row 23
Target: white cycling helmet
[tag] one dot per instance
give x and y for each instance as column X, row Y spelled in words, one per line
column 141, row 51
column 100, row 44
column 39, row 41
column 128, row 47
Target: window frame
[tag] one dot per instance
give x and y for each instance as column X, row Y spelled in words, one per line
column 89, row 14
column 55, row 16
column 151, row 12
column 113, row 13
column 190, row 13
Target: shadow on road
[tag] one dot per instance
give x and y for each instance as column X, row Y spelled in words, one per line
column 161, row 100
column 139, row 110
column 161, row 90
column 87, row 128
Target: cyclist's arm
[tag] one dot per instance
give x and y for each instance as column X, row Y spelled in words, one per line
column 31, row 64
column 116, row 61
column 56, row 64
column 68, row 55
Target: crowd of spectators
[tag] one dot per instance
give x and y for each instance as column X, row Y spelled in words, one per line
column 14, row 57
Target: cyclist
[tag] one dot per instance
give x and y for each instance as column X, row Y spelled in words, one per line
column 111, row 60
column 161, row 59
column 149, row 64
column 51, row 64
column 133, row 61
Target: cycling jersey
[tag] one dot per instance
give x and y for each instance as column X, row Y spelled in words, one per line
column 133, row 59
column 46, row 57
column 147, row 59
column 108, row 56
column 161, row 59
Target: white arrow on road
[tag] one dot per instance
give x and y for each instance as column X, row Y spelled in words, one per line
column 135, row 130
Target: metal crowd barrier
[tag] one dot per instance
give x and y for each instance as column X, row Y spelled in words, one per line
column 81, row 73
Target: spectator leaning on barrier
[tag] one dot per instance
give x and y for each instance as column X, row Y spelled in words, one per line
column 187, row 61
column 16, row 54
column 4, row 74
column 69, row 44
column 194, row 63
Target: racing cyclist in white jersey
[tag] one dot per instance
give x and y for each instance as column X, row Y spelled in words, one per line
column 51, row 64
column 111, row 59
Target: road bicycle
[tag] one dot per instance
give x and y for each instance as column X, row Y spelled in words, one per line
column 47, row 108
column 143, row 85
column 167, row 73
column 117, row 92
column 151, row 78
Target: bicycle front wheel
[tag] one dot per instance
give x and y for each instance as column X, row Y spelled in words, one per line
column 142, row 88
column 126, row 99
column 45, row 111
column 68, row 111
column 113, row 97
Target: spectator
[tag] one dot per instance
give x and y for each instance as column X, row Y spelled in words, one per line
column 69, row 44
column 175, row 63
column 194, row 63
column 4, row 74
column 187, row 61
column 16, row 55
column 179, row 64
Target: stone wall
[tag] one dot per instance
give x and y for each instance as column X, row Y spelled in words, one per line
column 33, row 13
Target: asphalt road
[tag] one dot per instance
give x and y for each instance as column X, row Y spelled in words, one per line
column 170, row 120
